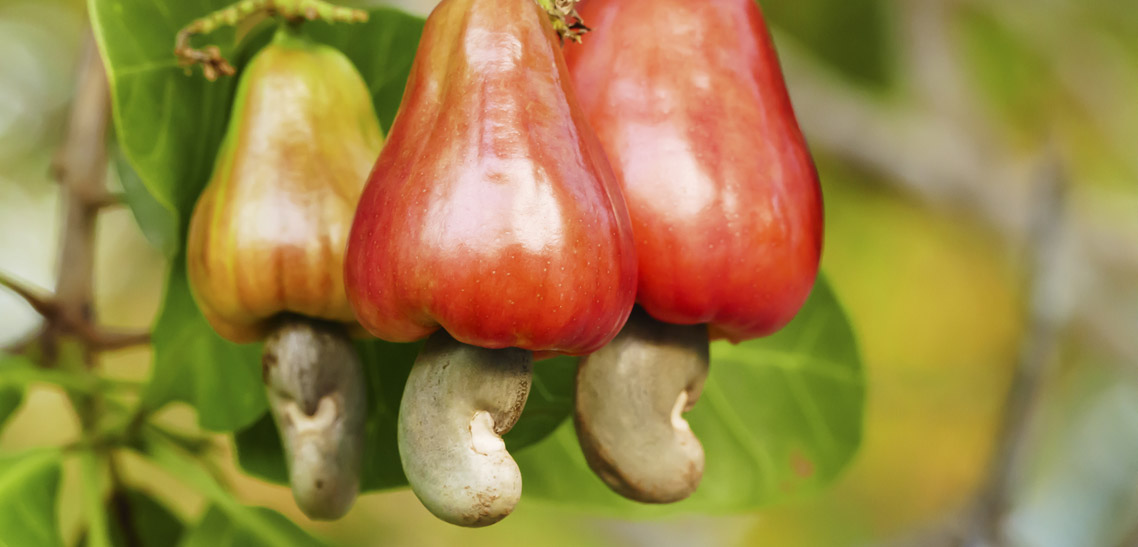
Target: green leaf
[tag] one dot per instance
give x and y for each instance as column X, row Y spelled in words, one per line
column 218, row 530
column 550, row 402
column 92, row 465
column 151, row 523
column 228, row 522
column 11, row 395
column 194, row 365
column 259, row 451
column 20, row 371
column 387, row 365
column 10, row 400
column 850, row 35
column 158, row 223
column 779, row 417
column 29, row 490
column 170, row 123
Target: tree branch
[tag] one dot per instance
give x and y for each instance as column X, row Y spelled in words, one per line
column 80, row 167
column 110, row 340
column 1037, row 353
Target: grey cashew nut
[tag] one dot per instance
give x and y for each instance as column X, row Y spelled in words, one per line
column 316, row 394
column 458, row 402
column 630, row 397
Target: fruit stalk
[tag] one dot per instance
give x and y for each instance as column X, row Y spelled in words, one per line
column 214, row 65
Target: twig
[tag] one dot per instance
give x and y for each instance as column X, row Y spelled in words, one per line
column 80, row 167
column 210, row 58
column 1037, row 353
column 98, row 339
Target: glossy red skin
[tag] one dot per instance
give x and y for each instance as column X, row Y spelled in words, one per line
column 688, row 100
column 492, row 210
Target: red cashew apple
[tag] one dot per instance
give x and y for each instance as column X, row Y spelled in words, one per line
column 491, row 219
column 689, row 102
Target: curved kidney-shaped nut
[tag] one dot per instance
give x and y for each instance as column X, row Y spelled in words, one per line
column 630, row 396
column 458, row 402
column 316, row 392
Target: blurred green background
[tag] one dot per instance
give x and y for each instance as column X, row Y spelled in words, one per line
column 934, row 124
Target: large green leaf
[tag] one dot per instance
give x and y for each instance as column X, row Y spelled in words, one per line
column 217, row 529
column 170, row 123
column 194, row 365
column 779, row 417
column 387, row 366
column 29, row 489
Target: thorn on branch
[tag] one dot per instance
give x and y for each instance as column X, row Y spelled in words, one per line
column 97, row 339
column 108, row 200
column 107, row 340
column 43, row 305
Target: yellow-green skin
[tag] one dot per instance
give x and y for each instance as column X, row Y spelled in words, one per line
column 268, row 233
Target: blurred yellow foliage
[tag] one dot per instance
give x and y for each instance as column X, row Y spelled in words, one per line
column 934, row 302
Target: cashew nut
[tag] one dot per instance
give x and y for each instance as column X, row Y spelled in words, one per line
column 630, row 396
column 316, row 393
column 458, row 402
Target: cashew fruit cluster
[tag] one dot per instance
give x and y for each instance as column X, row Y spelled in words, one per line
column 626, row 200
